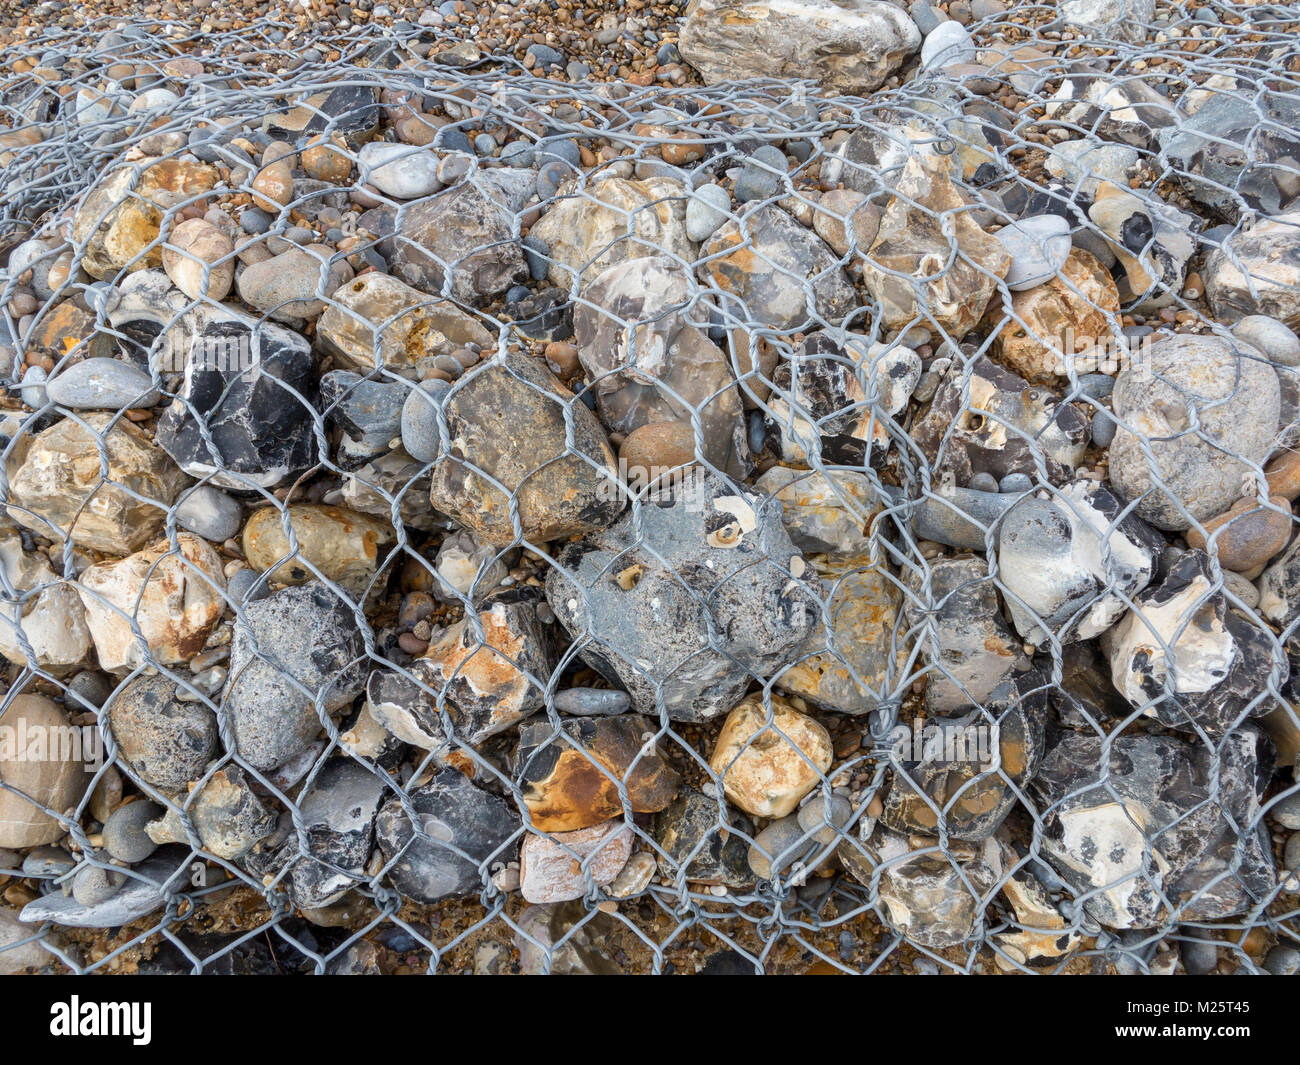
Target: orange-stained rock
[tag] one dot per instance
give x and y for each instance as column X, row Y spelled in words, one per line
column 569, row 782
column 766, row 770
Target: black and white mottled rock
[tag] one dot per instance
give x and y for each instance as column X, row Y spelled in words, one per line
column 1279, row 588
column 1086, row 698
column 1208, row 411
column 366, row 413
column 700, row 840
column 338, row 810
column 1128, row 110
column 969, row 648
column 460, row 833
column 1152, row 240
column 836, row 400
column 1216, row 663
column 1004, row 426
column 141, row 895
column 1171, row 822
column 163, row 740
column 961, row 517
column 1238, row 152
column 642, row 338
column 251, row 390
column 783, row 274
column 964, row 773
column 710, row 598
column 296, row 657
column 461, row 239
column 1070, row 562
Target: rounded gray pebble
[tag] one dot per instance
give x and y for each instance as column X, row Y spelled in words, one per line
column 591, row 702
column 1016, row 482
column 1282, row 961
column 246, row 586
column 983, row 482
column 124, row 835
column 420, row 421
column 1287, row 812
column 93, row 885
column 210, row 513
column 1103, row 429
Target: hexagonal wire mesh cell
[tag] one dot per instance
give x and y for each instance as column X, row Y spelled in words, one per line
column 453, row 512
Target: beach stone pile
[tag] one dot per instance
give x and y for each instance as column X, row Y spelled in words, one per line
column 521, row 468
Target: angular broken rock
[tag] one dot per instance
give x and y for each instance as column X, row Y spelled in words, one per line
column 331, row 543
column 164, row 741
column 1003, row 425
column 56, row 488
column 1238, row 152
column 650, row 361
column 225, row 813
column 610, row 221
column 970, row 649
column 928, row 242
column 39, row 770
column 1059, row 324
column 245, row 412
column 1279, row 588
column 780, row 273
column 845, row 47
column 376, row 320
column 933, row 898
column 338, row 810
column 173, row 594
column 1257, row 271
column 486, row 683
column 824, row 512
column 458, row 834
column 507, row 421
column 42, row 623
column 1152, row 240
column 1070, row 563
column 836, row 401
column 565, row 865
column 460, row 239
column 971, row 767
column 686, row 603
column 573, row 778
column 296, row 657
column 1217, row 664
column 1208, row 412
column 1151, row 822
column 851, row 667
column 767, row 768
column 701, row 840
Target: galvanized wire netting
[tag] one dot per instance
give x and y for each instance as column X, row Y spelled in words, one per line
column 935, row 477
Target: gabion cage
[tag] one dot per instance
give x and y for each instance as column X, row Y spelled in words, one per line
column 482, row 521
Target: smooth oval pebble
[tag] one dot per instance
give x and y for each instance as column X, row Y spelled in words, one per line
column 400, row 170
column 102, row 384
column 93, row 885
column 210, row 513
column 420, row 421
column 592, row 702
column 706, row 210
column 124, row 835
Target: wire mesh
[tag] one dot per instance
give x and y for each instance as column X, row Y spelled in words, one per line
column 910, row 638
